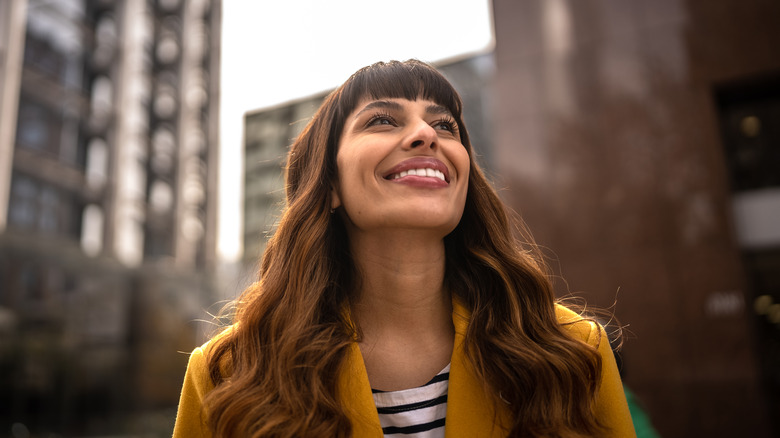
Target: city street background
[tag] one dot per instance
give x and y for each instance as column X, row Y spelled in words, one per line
column 141, row 153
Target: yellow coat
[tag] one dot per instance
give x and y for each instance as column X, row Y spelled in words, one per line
column 469, row 410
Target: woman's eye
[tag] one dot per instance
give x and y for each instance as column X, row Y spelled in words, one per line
column 446, row 125
column 381, row 120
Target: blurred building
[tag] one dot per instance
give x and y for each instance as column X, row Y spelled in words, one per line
column 108, row 173
column 640, row 142
column 267, row 135
column 270, row 131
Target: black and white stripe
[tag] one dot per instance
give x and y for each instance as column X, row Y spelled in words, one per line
column 417, row 412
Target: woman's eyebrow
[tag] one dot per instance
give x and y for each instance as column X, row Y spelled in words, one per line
column 383, row 104
column 438, row 109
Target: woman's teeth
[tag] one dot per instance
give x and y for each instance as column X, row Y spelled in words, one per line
column 431, row 173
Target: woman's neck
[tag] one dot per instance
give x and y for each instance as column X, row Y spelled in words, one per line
column 401, row 280
column 402, row 309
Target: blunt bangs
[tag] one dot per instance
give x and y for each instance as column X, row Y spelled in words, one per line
column 411, row 80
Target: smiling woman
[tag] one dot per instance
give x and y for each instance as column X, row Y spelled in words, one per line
column 394, row 300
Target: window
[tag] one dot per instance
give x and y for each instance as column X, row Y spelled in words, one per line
column 41, row 207
column 22, row 208
column 38, row 127
column 40, row 55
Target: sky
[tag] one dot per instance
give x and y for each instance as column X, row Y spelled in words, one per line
column 274, row 51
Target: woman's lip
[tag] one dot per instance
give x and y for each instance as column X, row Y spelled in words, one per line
column 419, row 163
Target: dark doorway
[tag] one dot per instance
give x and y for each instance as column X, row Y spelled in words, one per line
column 750, row 124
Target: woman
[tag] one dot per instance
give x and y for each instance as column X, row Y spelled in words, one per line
column 393, row 288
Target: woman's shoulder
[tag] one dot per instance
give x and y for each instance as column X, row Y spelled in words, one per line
column 579, row 326
column 197, row 367
column 197, row 384
column 198, row 360
column 218, row 334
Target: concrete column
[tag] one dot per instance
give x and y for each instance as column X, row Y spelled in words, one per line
column 12, row 31
column 127, row 211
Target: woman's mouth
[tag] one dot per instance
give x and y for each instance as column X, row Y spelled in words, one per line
column 420, row 167
column 426, row 172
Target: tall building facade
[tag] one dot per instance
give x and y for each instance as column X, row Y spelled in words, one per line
column 639, row 142
column 108, row 175
column 270, row 131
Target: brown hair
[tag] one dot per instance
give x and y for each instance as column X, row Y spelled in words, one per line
column 276, row 369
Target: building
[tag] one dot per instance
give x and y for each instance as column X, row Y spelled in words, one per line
column 108, row 174
column 269, row 132
column 639, row 140
column 267, row 135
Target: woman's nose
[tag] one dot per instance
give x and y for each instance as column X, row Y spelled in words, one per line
column 423, row 135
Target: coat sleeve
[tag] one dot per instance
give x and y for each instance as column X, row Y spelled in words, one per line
column 611, row 405
column 191, row 417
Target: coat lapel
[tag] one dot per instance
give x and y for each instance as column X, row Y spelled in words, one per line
column 470, row 411
column 355, row 390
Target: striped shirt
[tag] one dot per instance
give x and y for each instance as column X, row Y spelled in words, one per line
column 416, row 412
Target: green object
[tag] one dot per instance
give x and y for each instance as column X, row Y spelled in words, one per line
column 642, row 424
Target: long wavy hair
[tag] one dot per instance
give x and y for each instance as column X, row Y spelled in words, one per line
column 276, row 369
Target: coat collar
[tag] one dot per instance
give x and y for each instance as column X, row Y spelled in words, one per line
column 470, row 410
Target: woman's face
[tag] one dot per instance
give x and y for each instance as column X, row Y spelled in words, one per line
column 401, row 165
